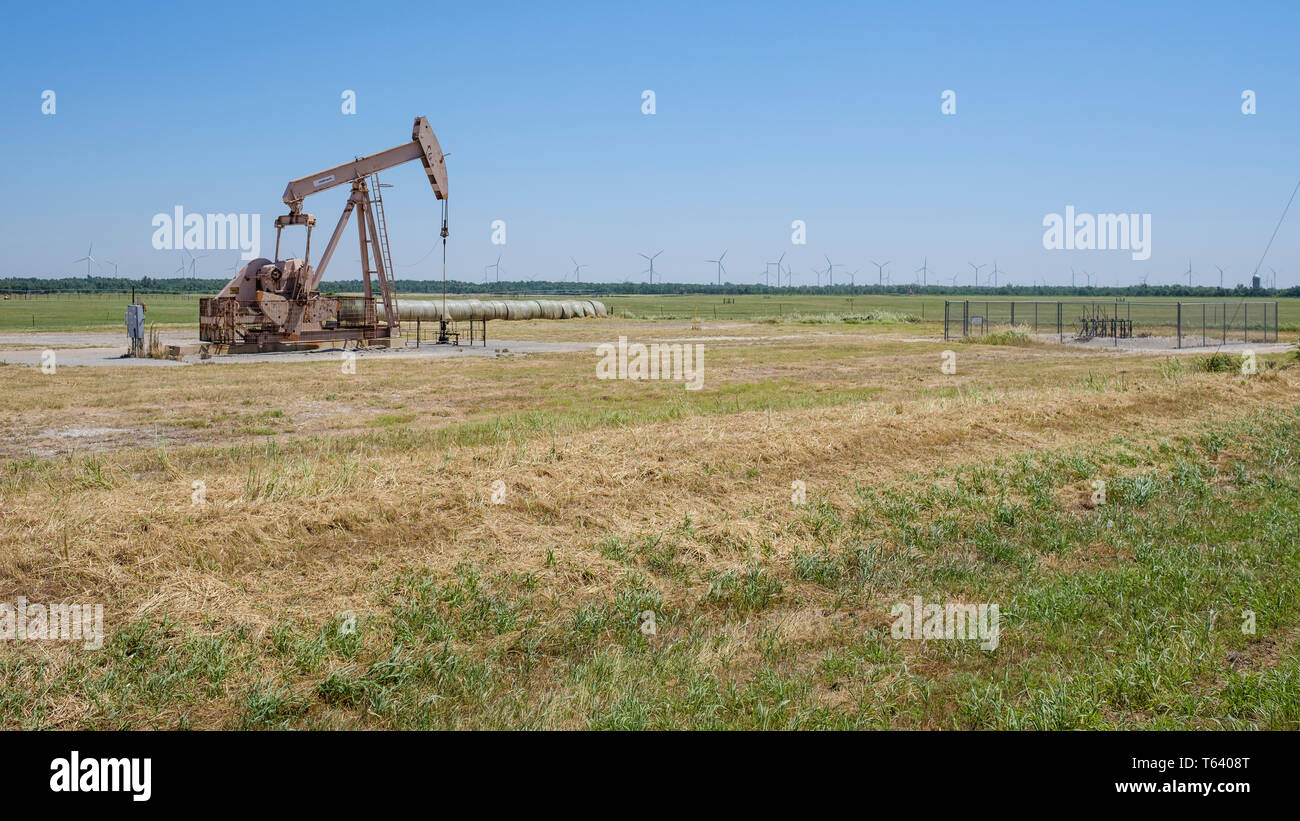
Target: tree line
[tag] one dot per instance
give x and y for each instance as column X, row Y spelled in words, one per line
column 205, row 287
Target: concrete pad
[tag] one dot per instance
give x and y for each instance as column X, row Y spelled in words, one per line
column 84, row 349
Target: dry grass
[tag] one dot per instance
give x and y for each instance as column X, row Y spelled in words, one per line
column 372, row 481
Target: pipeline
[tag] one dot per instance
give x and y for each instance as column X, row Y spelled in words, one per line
column 481, row 309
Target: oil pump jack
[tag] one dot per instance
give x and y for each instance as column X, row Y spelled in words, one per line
column 276, row 304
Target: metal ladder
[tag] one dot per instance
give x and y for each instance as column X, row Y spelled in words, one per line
column 381, row 226
column 379, row 244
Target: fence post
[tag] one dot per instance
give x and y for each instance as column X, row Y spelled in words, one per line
column 1180, row 324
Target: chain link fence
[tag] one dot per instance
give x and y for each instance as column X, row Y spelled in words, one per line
column 1118, row 323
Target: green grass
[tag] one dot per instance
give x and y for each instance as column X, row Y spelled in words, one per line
column 99, row 312
column 391, row 420
column 94, row 312
column 873, row 318
column 1007, row 337
column 1219, row 363
column 927, row 308
column 1127, row 614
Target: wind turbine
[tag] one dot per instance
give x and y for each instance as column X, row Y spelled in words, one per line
column 496, row 266
column 114, row 264
column 1071, row 276
column 88, row 258
column 924, row 271
column 995, row 273
column 977, row 271
column 954, row 279
column 721, row 269
column 853, row 278
column 1272, row 279
column 880, row 270
column 830, row 270
column 1189, row 273
column 768, row 268
column 577, row 269
column 1220, row 267
column 194, row 261
column 789, row 277
column 819, row 273
column 650, row 259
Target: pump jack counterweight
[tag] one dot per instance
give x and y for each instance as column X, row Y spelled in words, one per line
column 277, row 305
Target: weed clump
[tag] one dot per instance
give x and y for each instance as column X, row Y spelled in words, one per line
column 1218, row 363
column 1172, row 368
column 1008, row 337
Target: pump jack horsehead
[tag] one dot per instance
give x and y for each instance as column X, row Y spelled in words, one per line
column 272, row 305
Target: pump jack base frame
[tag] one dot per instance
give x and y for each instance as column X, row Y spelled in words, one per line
column 275, row 342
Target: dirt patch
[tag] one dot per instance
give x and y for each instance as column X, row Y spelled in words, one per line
column 1165, row 345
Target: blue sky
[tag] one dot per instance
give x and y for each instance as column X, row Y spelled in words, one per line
column 765, row 113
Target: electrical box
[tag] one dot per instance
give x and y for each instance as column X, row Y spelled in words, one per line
column 135, row 328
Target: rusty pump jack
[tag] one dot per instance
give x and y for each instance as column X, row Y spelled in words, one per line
column 276, row 305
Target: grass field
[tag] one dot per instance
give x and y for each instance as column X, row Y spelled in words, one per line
column 72, row 312
column 349, row 566
column 94, row 312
